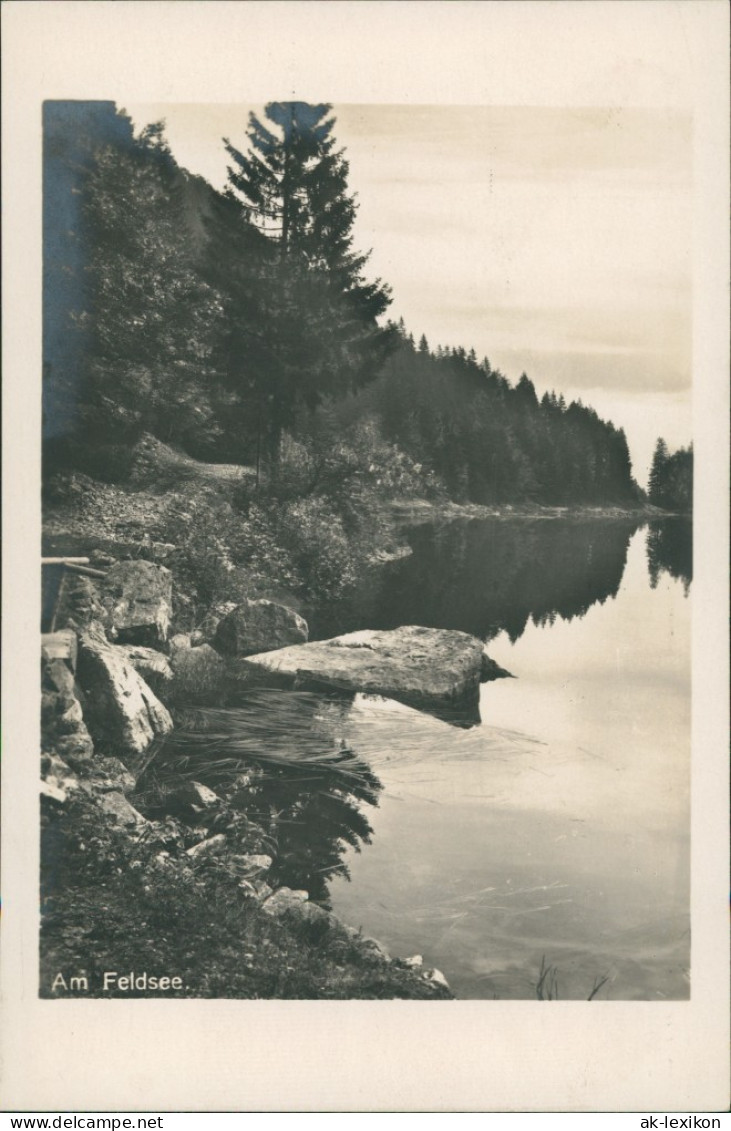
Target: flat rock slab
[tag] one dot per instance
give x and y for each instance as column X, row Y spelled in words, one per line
column 435, row 670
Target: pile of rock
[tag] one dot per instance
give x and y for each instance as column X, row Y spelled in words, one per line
column 108, row 671
column 73, row 754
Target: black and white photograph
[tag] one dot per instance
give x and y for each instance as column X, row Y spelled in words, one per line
column 368, row 666
column 366, row 427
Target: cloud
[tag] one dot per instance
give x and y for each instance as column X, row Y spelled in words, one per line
column 556, row 238
column 630, row 371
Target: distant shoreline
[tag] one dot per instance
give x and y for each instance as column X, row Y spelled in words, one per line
column 425, row 510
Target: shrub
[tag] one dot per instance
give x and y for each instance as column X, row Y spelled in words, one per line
column 220, row 554
column 322, row 553
column 113, row 903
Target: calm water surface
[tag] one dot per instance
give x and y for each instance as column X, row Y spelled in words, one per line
column 558, row 830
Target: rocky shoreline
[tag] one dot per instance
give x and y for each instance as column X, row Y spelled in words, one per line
column 112, row 679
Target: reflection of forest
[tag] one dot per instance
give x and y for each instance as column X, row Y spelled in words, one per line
column 670, row 550
column 481, row 577
column 486, row 576
column 319, row 815
column 309, row 792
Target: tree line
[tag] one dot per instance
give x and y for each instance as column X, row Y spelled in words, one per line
column 670, row 485
column 225, row 323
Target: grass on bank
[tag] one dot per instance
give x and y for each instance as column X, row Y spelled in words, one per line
column 111, row 902
column 547, row 983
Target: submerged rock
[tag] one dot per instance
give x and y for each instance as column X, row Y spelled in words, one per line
column 491, row 670
column 256, row 626
column 435, row 670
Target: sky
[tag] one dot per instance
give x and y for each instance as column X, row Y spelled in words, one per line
column 556, row 241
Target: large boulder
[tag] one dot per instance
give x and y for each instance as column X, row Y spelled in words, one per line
column 61, row 646
column 151, row 665
column 205, row 632
column 137, row 597
column 78, row 603
column 258, row 626
column 63, row 729
column 122, row 713
column 435, row 670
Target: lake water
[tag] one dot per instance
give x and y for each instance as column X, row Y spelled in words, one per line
column 557, row 831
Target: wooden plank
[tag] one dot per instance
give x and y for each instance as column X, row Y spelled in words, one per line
column 65, row 561
column 86, row 570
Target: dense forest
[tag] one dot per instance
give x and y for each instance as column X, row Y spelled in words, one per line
column 240, row 326
column 671, row 478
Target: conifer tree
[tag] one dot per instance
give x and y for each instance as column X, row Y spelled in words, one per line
column 671, row 478
column 655, row 485
column 293, row 185
column 153, row 321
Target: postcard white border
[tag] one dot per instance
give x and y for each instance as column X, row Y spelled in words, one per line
column 408, row 1057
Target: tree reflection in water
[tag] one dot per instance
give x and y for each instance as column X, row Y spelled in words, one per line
column 491, row 575
column 308, row 790
column 481, row 577
column 670, row 550
column 319, row 816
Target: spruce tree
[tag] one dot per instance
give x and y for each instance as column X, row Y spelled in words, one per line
column 322, row 318
column 656, row 482
column 671, row 478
